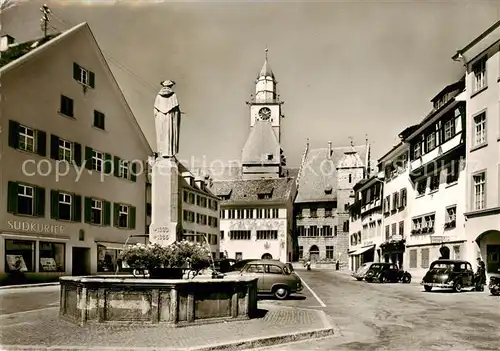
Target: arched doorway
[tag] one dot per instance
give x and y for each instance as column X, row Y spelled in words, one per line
column 489, row 245
column 267, row 256
column 314, row 253
column 445, row 252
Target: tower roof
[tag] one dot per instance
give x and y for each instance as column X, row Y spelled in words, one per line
column 261, row 147
column 266, row 68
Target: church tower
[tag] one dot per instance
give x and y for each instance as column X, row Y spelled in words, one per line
column 262, row 156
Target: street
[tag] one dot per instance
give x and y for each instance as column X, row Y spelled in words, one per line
column 368, row 316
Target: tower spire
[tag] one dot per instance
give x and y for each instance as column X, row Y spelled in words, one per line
column 266, row 50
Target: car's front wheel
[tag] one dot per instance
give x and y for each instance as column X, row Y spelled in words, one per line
column 427, row 288
column 281, row 292
column 457, row 287
column 383, row 279
column 406, row 279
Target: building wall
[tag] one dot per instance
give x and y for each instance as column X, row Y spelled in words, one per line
column 31, row 96
column 255, row 248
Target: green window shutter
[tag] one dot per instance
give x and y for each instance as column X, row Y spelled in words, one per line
column 40, row 202
column 54, row 147
column 76, row 71
column 13, row 134
column 92, row 79
column 12, row 195
column 107, row 213
column 88, row 157
column 88, row 209
column 116, row 166
column 54, row 204
column 77, row 154
column 41, row 143
column 76, row 208
column 116, row 214
column 108, row 163
column 131, row 219
column 133, row 174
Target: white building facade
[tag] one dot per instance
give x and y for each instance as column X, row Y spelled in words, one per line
column 482, row 212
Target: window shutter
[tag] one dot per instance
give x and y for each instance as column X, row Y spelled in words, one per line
column 76, row 71
column 54, row 147
column 116, row 210
column 41, row 143
column 54, row 204
column 40, row 202
column 108, row 163
column 92, row 79
column 12, row 197
column 133, row 175
column 131, row 223
column 88, row 157
column 107, row 213
column 88, row 209
column 77, row 154
column 76, row 208
column 116, row 165
column 13, row 134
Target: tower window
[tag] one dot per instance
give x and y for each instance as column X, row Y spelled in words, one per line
column 350, row 178
column 269, row 157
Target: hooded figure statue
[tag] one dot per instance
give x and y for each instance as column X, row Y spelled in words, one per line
column 167, row 121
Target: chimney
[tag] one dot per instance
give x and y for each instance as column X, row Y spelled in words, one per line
column 5, row 41
column 330, row 151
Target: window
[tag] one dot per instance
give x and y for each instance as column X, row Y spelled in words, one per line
column 350, row 178
column 238, row 256
column 424, row 263
column 314, row 213
column 326, row 231
column 249, row 213
column 479, row 129
column 328, row 211
column 449, row 129
column 313, row 230
column 451, row 215
column 221, row 235
column 417, row 226
column 452, row 171
column 83, row 76
column 301, row 252
column 387, row 232
column 123, row 169
column 434, row 182
column 413, row 258
column 123, row 211
column 19, row 255
column 329, row 252
column 417, row 152
column 429, row 223
column 64, row 210
column 97, row 160
column 267, row 234
column 346, row 226
column 26, row 200
column 188, row 216
column 394, row 228
column 430, row 142
column 273, row 269
column 51, row 256
column 65, row 150
column 66, row 107
column 402, row 228
column 402, row 196
column 222, row 214
column 240, row 234
column 191, row 198
column 96, row 212
column 395, row 201
column 301, row 230
column 107, row 259
column 479, row 72
column 99, row 120
column 421, row 186
column 456, row 252
column 479, row 181
column 26, row 138
column 275, row 213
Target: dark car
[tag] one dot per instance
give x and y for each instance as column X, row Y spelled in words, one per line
column 387, row 273
column 449, row 274
column 361, row 271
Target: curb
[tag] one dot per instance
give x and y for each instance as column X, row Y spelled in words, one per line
column 21, row 286
column 268, row 341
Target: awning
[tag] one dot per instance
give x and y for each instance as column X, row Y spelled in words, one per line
column 111, row 246
column 364, row 249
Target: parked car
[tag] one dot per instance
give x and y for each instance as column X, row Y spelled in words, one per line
column 494, row 286
column 361, row 271
column 387, row 273
column 449, row 274
column 274, row 277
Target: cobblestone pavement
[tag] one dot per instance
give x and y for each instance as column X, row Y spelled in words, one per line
column 36, row 324
column 401, row 316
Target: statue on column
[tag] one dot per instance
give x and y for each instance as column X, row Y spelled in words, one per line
column 167, row 121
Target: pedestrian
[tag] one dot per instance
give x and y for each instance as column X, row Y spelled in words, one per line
column 480, row 275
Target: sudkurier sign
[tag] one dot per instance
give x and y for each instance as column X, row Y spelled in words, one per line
column 33, row 227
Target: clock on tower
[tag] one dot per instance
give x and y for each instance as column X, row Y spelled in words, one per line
column 265, row 113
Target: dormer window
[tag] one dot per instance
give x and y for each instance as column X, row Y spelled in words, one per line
column 263, row 196
column 225, row 195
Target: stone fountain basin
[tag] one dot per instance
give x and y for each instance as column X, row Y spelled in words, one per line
column 174, row 302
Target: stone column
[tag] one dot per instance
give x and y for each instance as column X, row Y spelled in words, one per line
column 174, row 305
column 164, row 202
column 83, row 302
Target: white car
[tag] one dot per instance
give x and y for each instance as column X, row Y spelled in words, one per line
column 360, row 273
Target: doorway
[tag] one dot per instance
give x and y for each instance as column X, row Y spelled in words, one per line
column 314, row 254
column 267, row 256
column 80, row 261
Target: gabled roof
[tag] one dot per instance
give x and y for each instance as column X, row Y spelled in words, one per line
column 246, row 192
column 16, row 51
column 318, row 174
column 260, row 143
column 59, row 40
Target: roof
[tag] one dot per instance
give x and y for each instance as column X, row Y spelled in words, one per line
column 17, row 50
column 476, row 40
column 319, row 172
column 56, row 40
column 261, row 142
column 458, row 85
column 365, row 183
column 185, row 184
column 266, row 70
column 245, row 191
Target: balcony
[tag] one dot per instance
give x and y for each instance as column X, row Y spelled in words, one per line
column 437, row 152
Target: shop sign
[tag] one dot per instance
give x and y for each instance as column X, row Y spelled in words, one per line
column 33, row 227
column 438, row 239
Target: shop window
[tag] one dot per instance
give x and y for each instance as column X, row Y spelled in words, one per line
column 51, row 256
column 19, row 255
column 424, row 258
column 107, row 259
column 413, row 258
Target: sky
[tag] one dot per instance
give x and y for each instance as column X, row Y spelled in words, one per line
column 347, row 70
